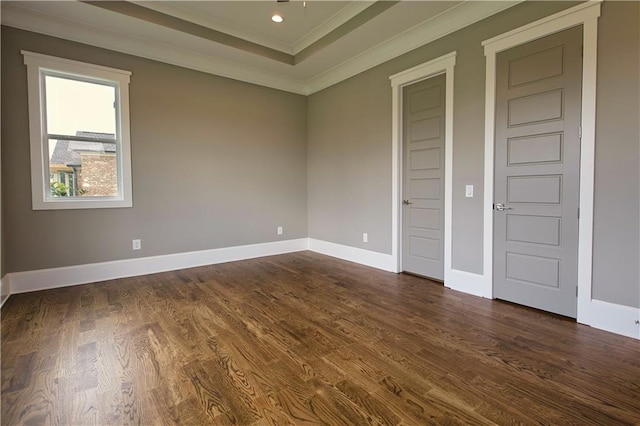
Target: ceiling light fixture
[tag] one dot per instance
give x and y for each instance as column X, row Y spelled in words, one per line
column 277, row 18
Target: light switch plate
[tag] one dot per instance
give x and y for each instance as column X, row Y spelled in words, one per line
column 468, row 191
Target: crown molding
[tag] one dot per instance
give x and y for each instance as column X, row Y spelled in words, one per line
column 175, row 10
column 29, row 20
column 340, row 18
column 452, row 20
column 344, row 15
column 130, row 11
column 439, row 26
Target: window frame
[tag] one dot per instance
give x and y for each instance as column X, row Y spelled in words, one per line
column 38, row 67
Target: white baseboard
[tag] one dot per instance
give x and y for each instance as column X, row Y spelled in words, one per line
column 42, row 279
column 467, row 282
column 5, row 289
column 353, row 254
column 606, row 316
column 611, row 317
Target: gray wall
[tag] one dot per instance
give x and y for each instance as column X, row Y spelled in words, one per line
column 352, row 120
column 349, row 162
column 349, row 146
column 616, row 255
column 2, row 250
column 216, row 163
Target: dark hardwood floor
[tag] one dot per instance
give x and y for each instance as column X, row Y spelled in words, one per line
column 303, row 339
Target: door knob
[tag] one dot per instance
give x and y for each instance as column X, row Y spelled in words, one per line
column 406, row 202
column 500, row 207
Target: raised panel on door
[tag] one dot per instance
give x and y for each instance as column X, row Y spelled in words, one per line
column 536, row 175
column 423, row 180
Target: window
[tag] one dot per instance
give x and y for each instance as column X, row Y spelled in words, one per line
column 79, row 133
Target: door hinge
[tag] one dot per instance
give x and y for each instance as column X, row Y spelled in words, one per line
column 580, row 132
column 578, row 212
column 576, row 291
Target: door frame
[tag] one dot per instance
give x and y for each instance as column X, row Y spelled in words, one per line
column 443, row 65
column 585, row 14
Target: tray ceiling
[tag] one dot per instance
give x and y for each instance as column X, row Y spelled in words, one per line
column 319, row 43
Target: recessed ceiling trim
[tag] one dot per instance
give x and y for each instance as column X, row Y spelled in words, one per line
column 353, row 9
column 344, row 15
column 344, row 29
column 469, row 12
column 38, row 22
column 139, row 11
column 175, row 9
column 452, row 20
column 159, row 18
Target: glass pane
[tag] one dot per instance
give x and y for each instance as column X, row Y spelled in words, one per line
column 82, row 169
column 75, row 107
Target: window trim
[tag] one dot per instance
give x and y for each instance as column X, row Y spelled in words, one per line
column 38, row 65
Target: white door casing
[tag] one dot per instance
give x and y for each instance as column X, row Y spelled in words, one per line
column 442, row 65
column 585, row 14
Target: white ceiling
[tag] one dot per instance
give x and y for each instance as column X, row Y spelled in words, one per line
column 324, row 43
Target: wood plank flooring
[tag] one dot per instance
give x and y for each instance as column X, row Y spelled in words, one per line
column 303, row 339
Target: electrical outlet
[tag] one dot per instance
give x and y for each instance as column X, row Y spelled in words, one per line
column 137, row 244
column 365, row 237
column 280, row 230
